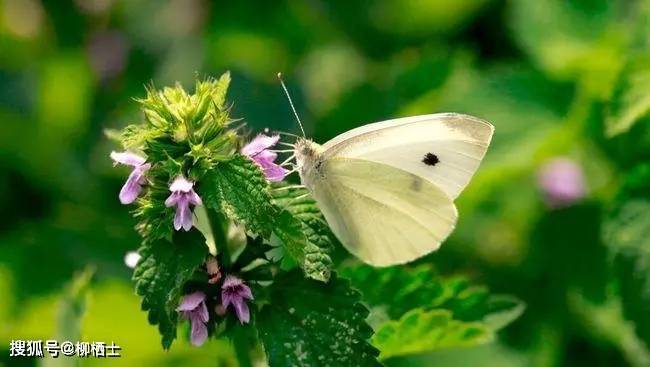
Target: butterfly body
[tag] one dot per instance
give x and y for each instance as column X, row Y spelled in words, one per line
column 387, row 189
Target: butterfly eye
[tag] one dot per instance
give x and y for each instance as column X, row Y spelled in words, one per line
column 430, row 159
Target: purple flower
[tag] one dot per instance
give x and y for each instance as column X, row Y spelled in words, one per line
column 133, row 185
column 257, row 150
column 193, row 308
column 234, row 292
column 562, row 182
column 182, row 196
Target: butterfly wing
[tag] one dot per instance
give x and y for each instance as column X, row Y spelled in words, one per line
column 381, row 214
column 445, row 149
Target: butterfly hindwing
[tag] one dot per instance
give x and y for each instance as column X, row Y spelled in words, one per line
column 382, row 214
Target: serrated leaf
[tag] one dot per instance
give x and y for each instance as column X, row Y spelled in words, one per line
column 627, row 234
column 422, row 287
column 309, row 323
column 136, row 136
column 238, row 189
column 420, row 331
column 631, row 100
column 160, row 275
column 301, row 214
column 289, row 231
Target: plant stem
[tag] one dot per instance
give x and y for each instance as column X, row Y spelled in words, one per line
column 218, row 222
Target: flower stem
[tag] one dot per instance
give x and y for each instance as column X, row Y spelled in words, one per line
column 218, row 223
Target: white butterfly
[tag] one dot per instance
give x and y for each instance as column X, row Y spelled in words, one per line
column 387, row 189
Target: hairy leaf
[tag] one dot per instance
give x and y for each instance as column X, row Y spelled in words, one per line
column 420, row 331
column 309, row 323
column 238, row 188
column 422, row 287
column 136, row 136
column 312, row 247
column 160, row 275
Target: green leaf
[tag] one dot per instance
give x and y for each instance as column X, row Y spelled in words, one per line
column 238, row 189
column 309, row 323
column 420, row 331
column 304, row 232
column 160, row 275
column 631, row 100
column 134, row 137
column 627, row 234
column 422, row 287
column 289, row 231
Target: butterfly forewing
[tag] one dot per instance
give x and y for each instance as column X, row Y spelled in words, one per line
column 445, row 149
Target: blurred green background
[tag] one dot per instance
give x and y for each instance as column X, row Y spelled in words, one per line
column 544, row 72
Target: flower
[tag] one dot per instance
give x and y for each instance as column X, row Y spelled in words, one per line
column 257, row 150
column 562, row 182
column 133, row 185
column 182, row 196
column 193, row 308
column 234, row 292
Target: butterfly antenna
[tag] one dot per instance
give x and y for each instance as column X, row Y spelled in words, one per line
column 286, row 91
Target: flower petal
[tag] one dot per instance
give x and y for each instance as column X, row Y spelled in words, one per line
column 266, row 156
column 191, row 301
column 181, row 184
column 231, row 281
column 199, row 333
column 194, row 198
column 173, row 199
column 127, row 158
column 245, row 292
column 242, row 311
column 226, row 299
column 260, row 143
column 186, row 218
column 202, row 312
column 275, row 173
column 131, row 188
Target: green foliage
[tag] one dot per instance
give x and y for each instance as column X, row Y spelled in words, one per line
column 555, row 77
column 311, row 242
column 569, row 38
column 631, row 100
column 161, row 274
column 427, row 312
column 237, row 188
column 422, row 287
column 155, row 220
column 420, row 331
column 314, row 324
column 627, row 233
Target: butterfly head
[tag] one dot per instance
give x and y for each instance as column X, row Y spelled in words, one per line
column 308, row 157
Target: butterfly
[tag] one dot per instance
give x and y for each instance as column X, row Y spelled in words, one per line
column 387, row 189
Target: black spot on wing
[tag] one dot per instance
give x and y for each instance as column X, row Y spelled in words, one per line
column 430, row 159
